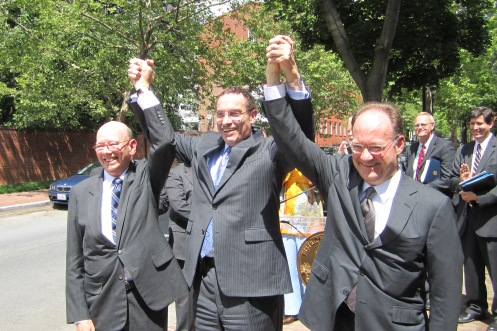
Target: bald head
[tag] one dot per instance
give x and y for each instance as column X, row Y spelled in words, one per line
column 115, row 160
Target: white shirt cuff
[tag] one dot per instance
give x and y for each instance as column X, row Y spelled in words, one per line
column 146, row 100
column 279, row 91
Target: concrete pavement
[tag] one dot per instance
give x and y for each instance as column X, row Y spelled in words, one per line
column 19, row 202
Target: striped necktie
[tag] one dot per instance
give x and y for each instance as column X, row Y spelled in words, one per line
column 477, row 158
column 420, row 161
column 116, row 194
column 369, row 214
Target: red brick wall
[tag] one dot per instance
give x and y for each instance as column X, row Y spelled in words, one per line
column 46, row 155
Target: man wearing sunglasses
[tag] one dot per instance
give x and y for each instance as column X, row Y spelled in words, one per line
column 384, row 231
column 121, row 271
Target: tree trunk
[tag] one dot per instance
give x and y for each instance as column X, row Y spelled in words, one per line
column 370, row 84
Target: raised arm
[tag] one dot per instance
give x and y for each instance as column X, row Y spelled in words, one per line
column 153, row 121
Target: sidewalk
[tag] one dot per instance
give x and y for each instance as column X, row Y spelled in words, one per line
column 17, row 202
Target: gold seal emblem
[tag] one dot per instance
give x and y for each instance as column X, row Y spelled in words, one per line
column 435, row 172
column 306, row 255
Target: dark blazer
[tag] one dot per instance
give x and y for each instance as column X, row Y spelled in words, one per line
column 94, row 282
column 483, row 216
column 441, row 150
column 179, row 186
column 249, row 254
column 420, row 236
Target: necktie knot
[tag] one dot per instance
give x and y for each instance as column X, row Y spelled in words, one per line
column 370, row 191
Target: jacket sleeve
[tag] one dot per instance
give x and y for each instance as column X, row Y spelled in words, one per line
column 76, row 306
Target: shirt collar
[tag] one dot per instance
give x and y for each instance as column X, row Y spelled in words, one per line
column 385, row 191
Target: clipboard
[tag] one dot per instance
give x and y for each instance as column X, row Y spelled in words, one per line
column 431, row 171
column 483, row 181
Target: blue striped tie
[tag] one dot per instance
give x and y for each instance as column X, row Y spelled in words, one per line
column 116, row 194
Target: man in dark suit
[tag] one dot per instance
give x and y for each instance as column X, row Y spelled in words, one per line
column 235, row 259
column 179, row 186
column 121, row 271
column 477, row 213
column 369, row 271
column 430, row 148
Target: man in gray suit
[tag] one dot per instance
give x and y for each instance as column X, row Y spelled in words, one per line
column 179, row 186
column 369, row 271
column 477, row 215
column 430, row 148
column 121, row 271
column 236, row 261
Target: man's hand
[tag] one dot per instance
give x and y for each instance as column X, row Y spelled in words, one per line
column 86, row 325
column 468, row 196
column 141, row 72
column 280, row 57
column 464, row 172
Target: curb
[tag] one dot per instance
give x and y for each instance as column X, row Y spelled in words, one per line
column 32, row 205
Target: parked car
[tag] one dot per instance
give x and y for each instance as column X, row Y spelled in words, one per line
column 59, row 191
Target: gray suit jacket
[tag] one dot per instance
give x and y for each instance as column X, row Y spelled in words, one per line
column 483, row 217
column 249, row 254
column 179, row 186
column 94, row 282
column 441, row 150
column 420, row 236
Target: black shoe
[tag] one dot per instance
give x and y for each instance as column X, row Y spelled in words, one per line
column 467, row 317
column 492, row 326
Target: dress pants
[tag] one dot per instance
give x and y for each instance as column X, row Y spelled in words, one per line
column 293, row 300
column 184, row 309
column 215, row 311
column 474, row 273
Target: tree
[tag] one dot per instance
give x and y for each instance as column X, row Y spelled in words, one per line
column 68, row 59
column 411, row 44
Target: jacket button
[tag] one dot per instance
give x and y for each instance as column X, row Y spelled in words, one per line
column 119, row 252
column 346, row 292
column 214, row 207
column 120, row 277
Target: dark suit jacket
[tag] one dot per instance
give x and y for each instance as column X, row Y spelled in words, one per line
column 179, row 186
column 483, row 216
column 249, row 254
column 94, row 282
column 441, row 150
column 420, row 236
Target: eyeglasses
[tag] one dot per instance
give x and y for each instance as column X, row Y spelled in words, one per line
column 421, row 125
column 113, row 146
column 372, row 149
column 235, row 115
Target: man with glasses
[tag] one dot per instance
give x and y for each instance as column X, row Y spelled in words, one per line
column 383, row 232
column 235, row 258
column 429, row 160
column 477, row 216
column 121, row 271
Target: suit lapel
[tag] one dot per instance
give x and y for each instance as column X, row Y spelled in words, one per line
column 487, row 154
column 403, row 205
column 357, row 223
column 124, row 200
column 203, row 164
column 95, row 218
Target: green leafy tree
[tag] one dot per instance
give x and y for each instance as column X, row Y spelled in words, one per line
column 64, row 62
column 410, row 43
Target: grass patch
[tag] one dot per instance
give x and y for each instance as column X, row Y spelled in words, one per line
column 25, row 187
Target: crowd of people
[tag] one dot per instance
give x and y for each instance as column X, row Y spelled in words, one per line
column 393, row 246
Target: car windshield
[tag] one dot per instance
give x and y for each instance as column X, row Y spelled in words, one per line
column 86, row 170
